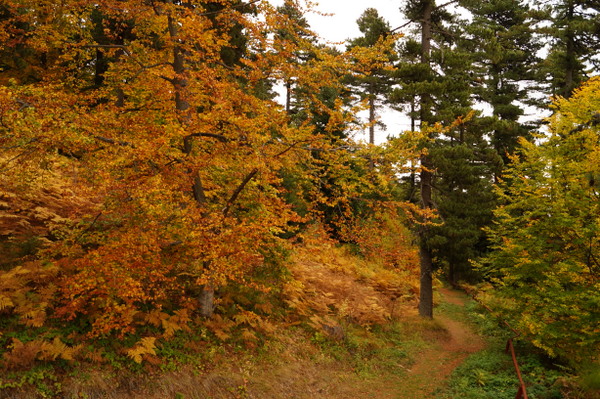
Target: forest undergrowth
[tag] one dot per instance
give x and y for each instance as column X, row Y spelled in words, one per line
column 342, row 326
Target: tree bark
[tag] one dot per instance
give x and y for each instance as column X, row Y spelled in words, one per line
column 426, row 175
column 426, row 281
column 288, row 97
column 372, row 116
column 180, row 82
column 570, row 56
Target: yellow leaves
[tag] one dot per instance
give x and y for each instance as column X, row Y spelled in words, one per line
column 333, row 284
column 146, row 346
column 176, row 322
column 5, row 303
column 113, row 185
column 58, row 349
column 170, row 323
column 35, row 317
column 24, row 354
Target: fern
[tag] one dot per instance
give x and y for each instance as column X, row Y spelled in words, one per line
column 5, row 303
column 146, row 346
column 58, row 349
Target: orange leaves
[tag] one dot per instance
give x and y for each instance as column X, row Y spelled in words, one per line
column 109, row 284
column 170, row 323
column 28, row 291
column 58, row 349
column 146, row 346
column 24, row 354
column 151, row 166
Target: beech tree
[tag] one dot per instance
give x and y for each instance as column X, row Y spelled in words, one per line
column 545, row 267
column 142, row 151
column 178, row 160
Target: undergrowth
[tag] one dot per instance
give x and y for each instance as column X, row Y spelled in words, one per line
column 490, row 374
column 320, row 289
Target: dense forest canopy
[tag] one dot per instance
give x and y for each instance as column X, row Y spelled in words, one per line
column 148, row 175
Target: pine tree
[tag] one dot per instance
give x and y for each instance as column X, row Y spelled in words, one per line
column 423, row 11
column 293, row 31
column 501, row 36
column 458, row 164
column 573, row 35
column 377, row 84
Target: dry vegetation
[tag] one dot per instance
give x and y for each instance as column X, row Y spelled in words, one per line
column 346, row 315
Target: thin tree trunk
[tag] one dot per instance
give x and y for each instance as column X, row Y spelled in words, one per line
column 372, row 118
column 180, row 82
column 288, row 97
column 426, row 282
column 426, row 175
column 570, row 54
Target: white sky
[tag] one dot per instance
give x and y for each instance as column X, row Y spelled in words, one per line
column 341, row 26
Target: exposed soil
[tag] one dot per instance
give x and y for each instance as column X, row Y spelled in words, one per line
column 435, row 364
column 298, row 370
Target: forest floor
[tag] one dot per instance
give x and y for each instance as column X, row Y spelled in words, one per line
column 435, row 364
column 295, row 366
column 404, row 357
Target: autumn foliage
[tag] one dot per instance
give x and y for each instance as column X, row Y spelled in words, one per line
column 546, row 265
column 144, row 166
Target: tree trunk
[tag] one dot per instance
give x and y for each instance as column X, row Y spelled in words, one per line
column 372, row 118
column 288, row 97
column 426, row 175
column 570, row 56
column 179, row 82
column 426, row 284
column 426, row 281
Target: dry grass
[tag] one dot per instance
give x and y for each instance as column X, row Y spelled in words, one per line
column 338, row 287
column 330, row 287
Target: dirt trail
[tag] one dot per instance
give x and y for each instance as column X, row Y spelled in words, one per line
column 435, row 364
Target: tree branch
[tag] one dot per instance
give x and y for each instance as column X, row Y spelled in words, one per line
column 238, row 190
column 229, row 9
column 446, row 4
column 219, row 137
column 403, row 25
column 113, row 141
column 413, row 20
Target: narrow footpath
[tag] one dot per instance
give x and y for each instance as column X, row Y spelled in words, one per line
column 433, row 367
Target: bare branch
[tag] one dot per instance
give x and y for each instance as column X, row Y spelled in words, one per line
column 113, row 141
column 89, row 227
column 290, row 146
column 238, row 190
column 403, row 26
column 219, row 137
column 446, row 4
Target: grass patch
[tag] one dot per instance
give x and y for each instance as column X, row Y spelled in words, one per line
column 490, row 374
